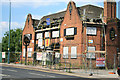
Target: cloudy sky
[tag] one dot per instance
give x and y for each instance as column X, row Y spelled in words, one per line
column 38, row 9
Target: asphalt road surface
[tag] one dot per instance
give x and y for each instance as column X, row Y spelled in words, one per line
column 12, row 73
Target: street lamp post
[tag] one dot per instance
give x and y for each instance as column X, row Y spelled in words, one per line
column 9, row 33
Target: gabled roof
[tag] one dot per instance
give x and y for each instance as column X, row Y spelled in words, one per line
column 91, row 12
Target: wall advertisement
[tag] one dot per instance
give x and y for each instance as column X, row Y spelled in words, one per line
column 47, row 42
column 39, row 56
column 3, row 54
column 100, row 62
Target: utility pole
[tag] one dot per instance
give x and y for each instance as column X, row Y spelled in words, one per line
column 9, row 33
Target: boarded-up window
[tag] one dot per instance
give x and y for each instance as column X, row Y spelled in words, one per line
column 73, row 52
column 91, row 55
column 91, row 30
column 65, row 52
column 29, row 52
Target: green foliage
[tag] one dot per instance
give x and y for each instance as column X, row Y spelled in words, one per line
column 15, row 42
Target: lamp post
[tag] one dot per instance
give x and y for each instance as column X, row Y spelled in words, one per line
column 9, row 33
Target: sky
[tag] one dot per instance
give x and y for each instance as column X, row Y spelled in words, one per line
column 38, row 8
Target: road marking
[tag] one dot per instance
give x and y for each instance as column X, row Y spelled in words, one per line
column 37, row 74
column 50, row 76
column 11, row 70
column 41, row 75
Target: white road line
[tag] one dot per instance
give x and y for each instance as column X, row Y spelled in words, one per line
column 37, row 74
column 50, row 76
column 42, row 75
column 11, row 70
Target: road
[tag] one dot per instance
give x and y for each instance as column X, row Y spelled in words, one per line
column 11, row 73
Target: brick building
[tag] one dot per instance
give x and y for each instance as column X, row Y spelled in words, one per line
column 86, row 30
column 29, row 29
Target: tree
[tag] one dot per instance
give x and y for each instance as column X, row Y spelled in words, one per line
column 15, row 42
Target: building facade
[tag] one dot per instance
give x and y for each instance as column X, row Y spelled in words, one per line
column 76, row 31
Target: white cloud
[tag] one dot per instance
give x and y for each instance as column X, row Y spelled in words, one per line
column 4, row 27
column 36, row 17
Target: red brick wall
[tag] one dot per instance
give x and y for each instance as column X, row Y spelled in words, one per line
column 73, row 22
column 111, row 45
column 28, row 29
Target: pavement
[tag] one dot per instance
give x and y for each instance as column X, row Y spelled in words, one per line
column 77, row 72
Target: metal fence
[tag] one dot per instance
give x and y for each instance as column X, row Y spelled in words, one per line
column 86, row 62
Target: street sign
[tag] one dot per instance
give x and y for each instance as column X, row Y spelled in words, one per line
column 3, row 54
column 100, row 62
column 57, row 55
column 39, row 56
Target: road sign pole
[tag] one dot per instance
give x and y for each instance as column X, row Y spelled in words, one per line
column 26, row 55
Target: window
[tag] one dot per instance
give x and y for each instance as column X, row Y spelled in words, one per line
column 73, row 52
column 91, row 55
column 91, row 31
column 65, row 52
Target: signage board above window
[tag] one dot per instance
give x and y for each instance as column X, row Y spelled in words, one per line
column 91, row 31
column 55, row 34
